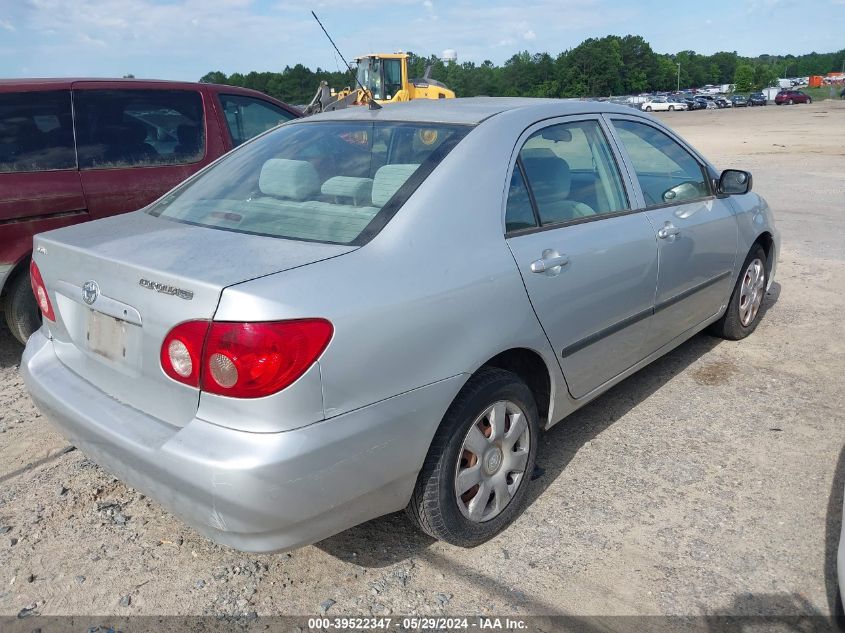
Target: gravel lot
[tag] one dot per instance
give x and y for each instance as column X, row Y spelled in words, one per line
column 709, row 483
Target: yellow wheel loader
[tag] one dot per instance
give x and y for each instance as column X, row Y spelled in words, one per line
column 381, row 78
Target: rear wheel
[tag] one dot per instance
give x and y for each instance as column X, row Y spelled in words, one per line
column 22, row 314
column 475, row 477
column 671, row 108
column 809, row 99
column 743, row 312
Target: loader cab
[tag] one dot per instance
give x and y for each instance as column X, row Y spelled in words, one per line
column 383, row 76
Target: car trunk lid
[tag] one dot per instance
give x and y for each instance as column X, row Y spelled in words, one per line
column 119, row 285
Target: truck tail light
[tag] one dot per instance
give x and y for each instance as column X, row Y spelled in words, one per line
column 40, row 292
column 243, row 360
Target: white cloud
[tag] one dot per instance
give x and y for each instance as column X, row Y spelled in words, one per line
column 6, row 24
column 87, row 40
column 529, row 35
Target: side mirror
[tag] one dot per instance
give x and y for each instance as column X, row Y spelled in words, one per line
column 735, row 181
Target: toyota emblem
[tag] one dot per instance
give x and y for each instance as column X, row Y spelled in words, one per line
column 90, row 292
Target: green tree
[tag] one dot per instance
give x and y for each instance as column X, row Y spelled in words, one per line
column 744, row 78
column 597, row 67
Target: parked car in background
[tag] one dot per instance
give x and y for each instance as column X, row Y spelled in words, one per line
column 788, row 97
column 722, row 102
column 757, row 99
column 662, row 104
column 739, row 101
column 208, row 349
column 73, row 150
column 693, row 103
column 707, row 101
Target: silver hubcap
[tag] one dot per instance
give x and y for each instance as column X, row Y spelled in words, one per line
column 491, row 464
column 751, row 292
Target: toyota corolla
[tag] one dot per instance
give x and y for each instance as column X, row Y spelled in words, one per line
column 371, row 310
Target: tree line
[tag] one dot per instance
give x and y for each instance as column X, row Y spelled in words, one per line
column 598, row 67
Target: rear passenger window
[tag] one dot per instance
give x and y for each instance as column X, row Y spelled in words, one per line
column 247, row 117
column 572, row 173
column 36, row 132
column 519, row 214
column 138, row 128
column 666, row 171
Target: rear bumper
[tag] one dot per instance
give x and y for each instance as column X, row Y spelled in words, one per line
column 257, row 492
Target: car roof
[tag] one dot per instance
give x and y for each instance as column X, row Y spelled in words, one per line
column 67, row 83
column 469, row 110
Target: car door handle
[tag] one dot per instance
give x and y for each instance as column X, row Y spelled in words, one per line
column 668, row 230
column 551, row 263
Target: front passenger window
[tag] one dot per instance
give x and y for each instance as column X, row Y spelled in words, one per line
column 666, row 171
column 247, row 117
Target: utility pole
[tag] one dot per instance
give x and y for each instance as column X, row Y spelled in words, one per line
column 679, row 76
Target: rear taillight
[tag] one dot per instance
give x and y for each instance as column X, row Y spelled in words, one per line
column 243, row 360
column 40, row 292
column 181, row 352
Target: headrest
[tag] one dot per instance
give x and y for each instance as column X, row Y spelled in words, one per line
column 358, row 189
column 292, row 179
column 389, row 179
column 548, row 174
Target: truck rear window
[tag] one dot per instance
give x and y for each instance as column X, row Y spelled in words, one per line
column 36, row 131
column 325, row 181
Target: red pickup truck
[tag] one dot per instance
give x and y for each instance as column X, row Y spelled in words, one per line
column 73, row 150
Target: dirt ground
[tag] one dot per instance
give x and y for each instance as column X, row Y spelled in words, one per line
column 709, row 483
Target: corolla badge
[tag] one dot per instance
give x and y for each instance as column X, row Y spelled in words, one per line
column 90, row 292
column 166, row 289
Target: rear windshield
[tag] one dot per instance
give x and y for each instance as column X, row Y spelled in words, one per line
column 324, row 181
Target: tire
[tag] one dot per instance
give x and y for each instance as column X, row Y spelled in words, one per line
column 671, row 108
column 809, row 100
column 435, row 506
column 789, row 102
column 648, row 108
column 734, row 324
column 22, row 314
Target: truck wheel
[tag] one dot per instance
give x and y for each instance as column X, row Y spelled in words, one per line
column 475, row 477
column 22, row 314
column 743, row 312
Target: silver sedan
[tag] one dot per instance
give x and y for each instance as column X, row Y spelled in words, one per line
column 371, row 310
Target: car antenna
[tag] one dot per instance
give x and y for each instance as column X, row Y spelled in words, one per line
column 372, row 103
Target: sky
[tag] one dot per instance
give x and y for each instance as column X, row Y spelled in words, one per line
column 184, row 39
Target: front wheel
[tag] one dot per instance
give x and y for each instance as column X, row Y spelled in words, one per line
column 809, row 99
column 742, row 314
column 648, row 108
column 475, row 477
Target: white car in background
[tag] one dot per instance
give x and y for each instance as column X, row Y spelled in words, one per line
column 661, row 104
